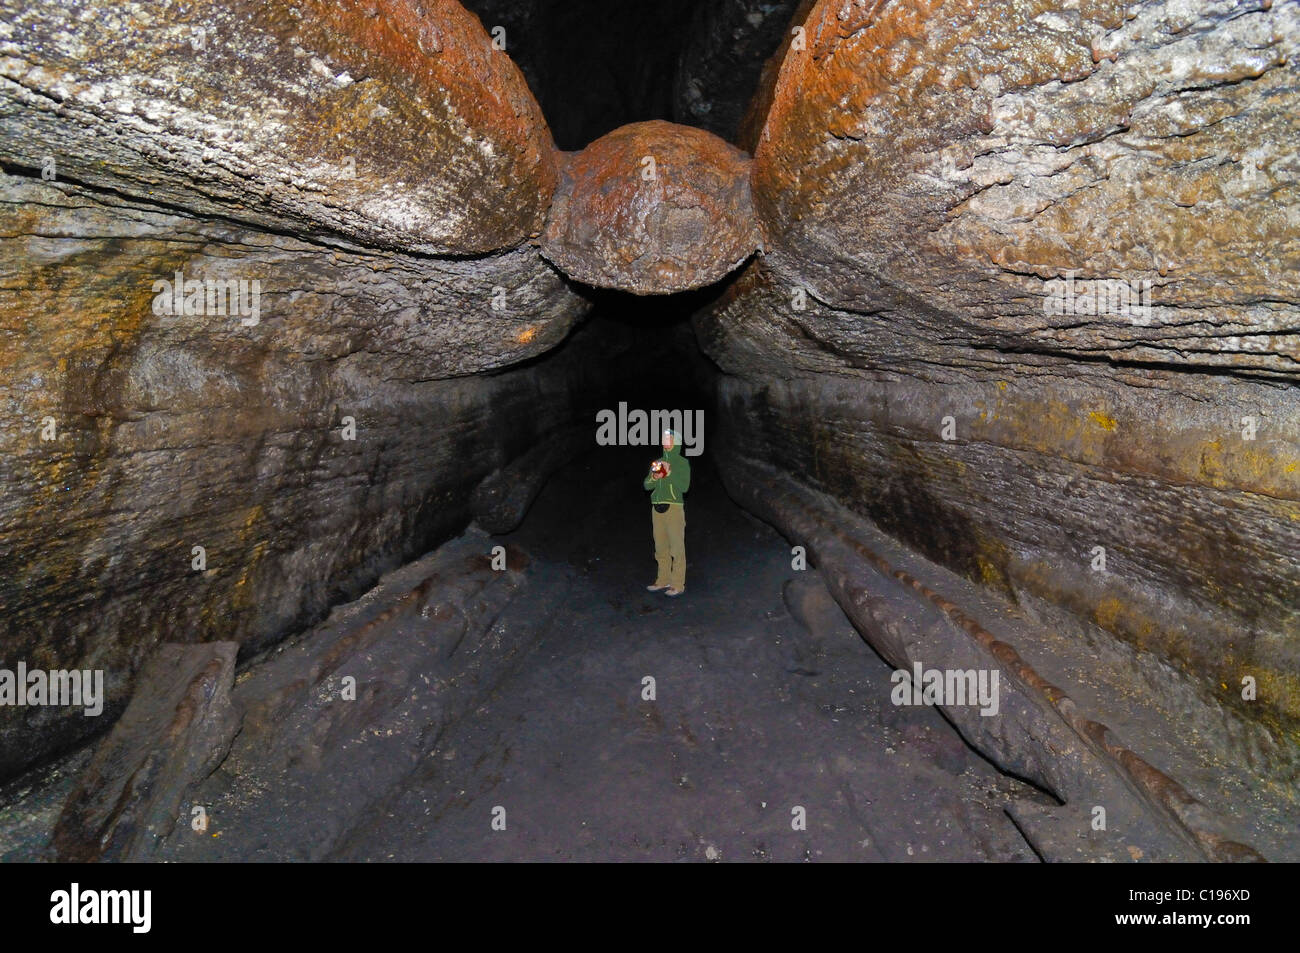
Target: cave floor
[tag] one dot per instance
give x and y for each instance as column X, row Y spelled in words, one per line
column 519, row 697
column 753, row 719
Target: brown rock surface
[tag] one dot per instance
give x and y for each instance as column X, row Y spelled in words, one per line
column 959, row 156
column 651, row 208
column 750, row 126
column 176, row 431
column 925, row 171
column 926, row 176
column 1048, row 459
column 293, row 759
column 388, row 122
column 175, row 732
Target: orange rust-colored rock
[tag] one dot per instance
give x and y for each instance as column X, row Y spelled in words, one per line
column 752, row 120
column 390, row 122
column 650, row 208
column 964, row 156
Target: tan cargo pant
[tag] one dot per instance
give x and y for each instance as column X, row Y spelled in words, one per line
column 670, row 545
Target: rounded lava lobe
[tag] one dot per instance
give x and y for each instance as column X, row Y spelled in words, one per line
column 683, row 221
column 459, row 122
column 393, row 123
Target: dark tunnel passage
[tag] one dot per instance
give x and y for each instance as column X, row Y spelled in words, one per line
column 328, row 328
column 595, row 65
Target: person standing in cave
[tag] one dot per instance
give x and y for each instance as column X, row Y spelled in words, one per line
column 668, row 481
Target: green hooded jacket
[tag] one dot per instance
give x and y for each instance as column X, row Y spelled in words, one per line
column 673, row 487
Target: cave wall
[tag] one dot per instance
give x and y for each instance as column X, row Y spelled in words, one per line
column 373, row 173
column 962, row 157
column 1201, row 529
column 391, row 122
column 927, row 178
column 177, row 431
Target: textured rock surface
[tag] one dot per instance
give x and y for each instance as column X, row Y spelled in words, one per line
column 1048, row 459
column 650, row 208
column 390, row 122
column 811, row 604
column 754, row 117
column 1034, row 729
column 926, row 178
column 421, row 648
column 959, row 156
column 925, row 171
column 176, row 731
column 198, row 430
